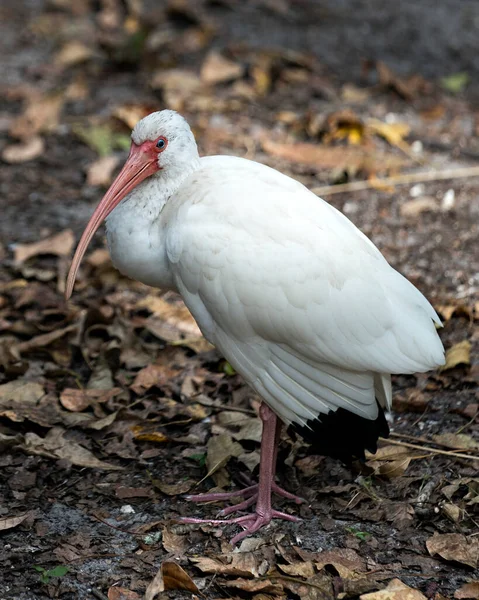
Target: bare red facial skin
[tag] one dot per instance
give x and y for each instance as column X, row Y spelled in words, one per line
column 140, row 164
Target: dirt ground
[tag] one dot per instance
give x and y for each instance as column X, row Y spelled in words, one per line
column 112, row 407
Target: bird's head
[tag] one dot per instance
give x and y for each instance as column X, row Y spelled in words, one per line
column 162, row 145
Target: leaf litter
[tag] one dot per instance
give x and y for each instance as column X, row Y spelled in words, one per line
column 114, row 405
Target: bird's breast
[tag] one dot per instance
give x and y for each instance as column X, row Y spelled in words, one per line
column 137, row 247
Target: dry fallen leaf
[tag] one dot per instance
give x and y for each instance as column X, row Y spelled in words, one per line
column 173, row 489
column 455, row 547
column 73, row 53
column 346, row 561
column 55, row 445
column 77, row 400
column 326, row 157
column 395, row 590
column 11, row 522
column 239, row 564
column 41, row 115
column 468, row 590
column 459, row 354
column 100, row 172
column 174, row 543
column 416, row 206
column 117, row 593
column 218, row 69
column 60, row 244
column 456, row 441
column 175, row 314
column 219, row 450
column 31, row 148
column 170, row 577
column 20, row 391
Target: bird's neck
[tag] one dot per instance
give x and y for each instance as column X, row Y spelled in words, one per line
column 136, row 232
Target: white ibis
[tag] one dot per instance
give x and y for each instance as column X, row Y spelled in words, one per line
column 295, row 297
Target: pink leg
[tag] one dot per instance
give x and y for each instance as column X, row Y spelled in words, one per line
column 261, row 493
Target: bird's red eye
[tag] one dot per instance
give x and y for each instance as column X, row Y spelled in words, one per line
column 161, row 144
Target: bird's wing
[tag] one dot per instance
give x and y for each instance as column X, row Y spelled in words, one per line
column 292, row 293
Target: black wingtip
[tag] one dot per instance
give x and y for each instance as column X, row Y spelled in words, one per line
column 343, row 434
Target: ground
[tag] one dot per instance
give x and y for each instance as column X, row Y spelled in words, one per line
column 112, row 406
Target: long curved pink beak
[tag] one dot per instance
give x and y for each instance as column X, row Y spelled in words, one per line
column 141, row 163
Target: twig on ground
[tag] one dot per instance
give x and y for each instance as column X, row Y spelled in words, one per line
column 429, row 449
column 404, row 179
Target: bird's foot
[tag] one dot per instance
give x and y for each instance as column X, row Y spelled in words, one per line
column 250, row 523
column 250, row 492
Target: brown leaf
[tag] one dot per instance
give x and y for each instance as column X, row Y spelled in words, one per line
column 117, row 593
column 456, row 441
column 44, row 339
column 239, row 564
column 170, row 577
column 299, row 569
column 406, row 88
column 11, row 522
column 174, row 543
column 100, row 172
column 347, row 563
column 218, row 69
column 395, row 590
column 455, row 547
column 459, row 354
column 219, row 450
column 73, row 53
column 317, row 587
column 31, row 148
column 175, row 314
column 326, row 157
column 173, row 489
column 273, row 590
column 77, row 400
column 468, row 590
column 20, row 391
column 41, row 115
column 55, row 445
column 130, row 114
column 60, row 244
column 416, row 206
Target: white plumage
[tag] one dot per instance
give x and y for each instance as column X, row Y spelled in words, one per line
column 297, row 299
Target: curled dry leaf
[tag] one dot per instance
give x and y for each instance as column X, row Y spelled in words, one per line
column 459, row 354
column 54, row 445
column 45, row 339
column 218, row 69
column 100, row 172
column 170, row 577
column 395, row 590
column 60, row 244
column 31, row 148
column 219, row 450
column 11, row 522
column 455, row 547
